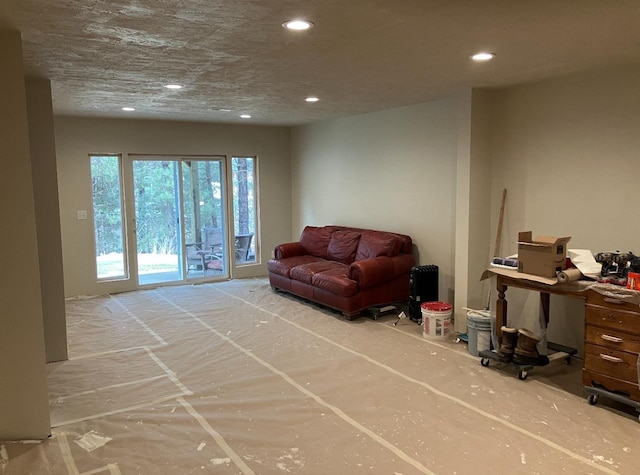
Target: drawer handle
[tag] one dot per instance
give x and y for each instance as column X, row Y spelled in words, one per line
column 614, row 301
column 613, row 359
column 613, row 339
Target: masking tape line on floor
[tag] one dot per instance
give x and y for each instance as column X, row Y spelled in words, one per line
column 119, row 411
column 63, row 443
column 121, row 350
column 140, row 322
column 172, row 375
column 112, row 468
column 70, row 463
column 111, row 386
column 217, row 437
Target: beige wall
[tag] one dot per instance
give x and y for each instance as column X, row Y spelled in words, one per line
column 76, row 138
column 567, row 150
column 393, row 170
column 24, row 409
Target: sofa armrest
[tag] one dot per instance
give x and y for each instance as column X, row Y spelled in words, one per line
column 289, row 249
column 378, row 270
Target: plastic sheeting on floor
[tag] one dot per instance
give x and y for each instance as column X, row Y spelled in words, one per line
column 233, row 378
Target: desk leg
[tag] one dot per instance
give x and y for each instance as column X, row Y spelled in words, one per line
column 544, row 303
column 501, row 309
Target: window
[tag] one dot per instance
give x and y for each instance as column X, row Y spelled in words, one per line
column 244, row 209
column 107, row 216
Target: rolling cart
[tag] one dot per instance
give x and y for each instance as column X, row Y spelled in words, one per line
column 559, row 352
column 594, row 393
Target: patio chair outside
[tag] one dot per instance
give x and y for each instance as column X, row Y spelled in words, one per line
column 243, row 244
column 200, row 253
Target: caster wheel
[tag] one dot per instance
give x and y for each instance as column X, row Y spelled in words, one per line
column 592, row 399
column 484, row 362
column 522, row 375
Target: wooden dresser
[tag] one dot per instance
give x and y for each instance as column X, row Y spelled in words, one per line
column 612, row 345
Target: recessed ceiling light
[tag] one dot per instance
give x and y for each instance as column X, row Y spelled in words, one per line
column 223, row 110
column 483, row 56
column 245, row 116
column 173, row 86
column 298, row 25
column 312, row 99
column 128, row 109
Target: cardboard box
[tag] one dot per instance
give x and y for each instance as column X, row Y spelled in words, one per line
column 544, row 255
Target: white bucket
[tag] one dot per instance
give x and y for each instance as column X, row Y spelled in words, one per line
column 479, row 329
column 436, row 319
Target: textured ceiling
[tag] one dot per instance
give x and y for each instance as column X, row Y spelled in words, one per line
column 362, row 55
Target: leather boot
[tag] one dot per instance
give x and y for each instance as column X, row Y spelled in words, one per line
column 526, row 352
column 509, row 340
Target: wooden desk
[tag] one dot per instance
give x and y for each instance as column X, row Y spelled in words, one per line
column 503, row 282
column 612, row 333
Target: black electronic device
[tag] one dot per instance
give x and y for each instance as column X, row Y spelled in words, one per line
column 424, row 288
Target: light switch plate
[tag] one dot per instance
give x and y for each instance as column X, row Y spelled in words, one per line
column 82, row 214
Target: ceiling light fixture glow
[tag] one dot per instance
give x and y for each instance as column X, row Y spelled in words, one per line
column 483, row 56
column 174, row 86
column 245, row 116
column 312, row 99
column 128, row 109
column 298, row 25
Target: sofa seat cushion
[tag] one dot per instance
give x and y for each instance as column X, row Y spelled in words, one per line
column 306, row 272
column 336, row 281
column 283, row 266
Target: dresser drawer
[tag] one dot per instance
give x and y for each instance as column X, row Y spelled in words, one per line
column 613, row 318
column 590, row 378
column 612, row 338
column 629, row 305
column 614, row 363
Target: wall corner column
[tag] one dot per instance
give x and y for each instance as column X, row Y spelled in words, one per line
column 473, row 204
column 24, row 406
column 47, row 208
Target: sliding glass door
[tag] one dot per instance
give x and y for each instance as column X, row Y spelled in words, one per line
column 156, row 194
column 204, row 221
column 162, row 219
column 179, row 219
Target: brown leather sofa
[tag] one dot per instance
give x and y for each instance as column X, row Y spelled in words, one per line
column 348, row 269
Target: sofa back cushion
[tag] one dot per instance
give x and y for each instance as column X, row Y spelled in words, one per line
column 315, row 240
column 377, row 243
column 343, row 246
